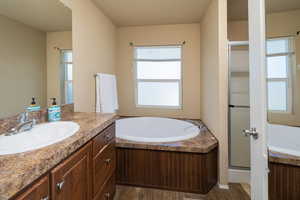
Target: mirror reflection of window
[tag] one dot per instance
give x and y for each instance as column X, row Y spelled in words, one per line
column 280, row 64
column 67, row 76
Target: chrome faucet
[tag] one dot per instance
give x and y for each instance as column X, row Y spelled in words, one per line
column 199, row 125
column 24, row 124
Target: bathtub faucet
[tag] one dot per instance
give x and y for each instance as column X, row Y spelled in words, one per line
column 199, row 125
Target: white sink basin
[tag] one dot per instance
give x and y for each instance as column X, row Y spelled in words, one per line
column 40, row 136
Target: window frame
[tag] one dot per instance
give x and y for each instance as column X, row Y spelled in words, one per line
column 65, row 81
column 290, row 68
column 136, row 80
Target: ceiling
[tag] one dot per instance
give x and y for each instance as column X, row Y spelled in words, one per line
column 44, row 15
column 153, row 12
column 238, row 9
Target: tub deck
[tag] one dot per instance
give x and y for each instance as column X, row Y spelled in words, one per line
column 202, row 143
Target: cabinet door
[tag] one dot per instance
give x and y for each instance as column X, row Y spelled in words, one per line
column 108, row 190
column 104, row 138
column 71, row 180
column 104, row 166
column 38, row 191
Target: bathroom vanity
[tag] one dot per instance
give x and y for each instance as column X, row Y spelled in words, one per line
column 80, row 167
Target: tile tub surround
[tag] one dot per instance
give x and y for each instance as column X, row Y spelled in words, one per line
column 41, row 116
column 19, row 170
column 281, row 158
column 202, row 143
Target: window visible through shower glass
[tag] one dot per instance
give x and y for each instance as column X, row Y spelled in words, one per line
column 67, row 76
column 280, row 61
column 158, row 76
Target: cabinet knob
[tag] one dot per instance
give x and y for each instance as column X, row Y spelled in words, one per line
column 60, row 185
column 45, row 198
column 107, row 195
column 107, row 137
column 108, row 160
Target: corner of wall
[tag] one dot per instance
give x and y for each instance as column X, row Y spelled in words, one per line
column 214, row 87
column 94, row 47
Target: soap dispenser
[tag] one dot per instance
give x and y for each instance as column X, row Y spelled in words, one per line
column 54, row 111
column 33, row 106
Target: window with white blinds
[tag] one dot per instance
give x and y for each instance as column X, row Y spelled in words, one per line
column 158, row 76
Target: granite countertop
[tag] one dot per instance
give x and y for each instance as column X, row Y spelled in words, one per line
column 277, row 157
column 19, row 170
column 202, row 143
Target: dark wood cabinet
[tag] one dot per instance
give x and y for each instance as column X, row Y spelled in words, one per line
column 103, row 139
column 87, row 174
column 104, row 165
column 72, row 178
column 38, row 191
column 108, row 190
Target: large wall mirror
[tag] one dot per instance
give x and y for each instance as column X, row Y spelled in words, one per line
column 35, row 54
column 283, row 61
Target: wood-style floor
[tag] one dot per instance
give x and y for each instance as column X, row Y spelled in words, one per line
column 235, row 192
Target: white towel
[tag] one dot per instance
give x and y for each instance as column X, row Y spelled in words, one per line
column 106, row 93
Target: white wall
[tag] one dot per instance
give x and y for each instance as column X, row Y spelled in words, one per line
column 22, row 66
column 160, row 35
column 94, row 51
column 214, row 79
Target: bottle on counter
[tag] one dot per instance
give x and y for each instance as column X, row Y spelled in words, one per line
column 54, row 111
column 33, row 106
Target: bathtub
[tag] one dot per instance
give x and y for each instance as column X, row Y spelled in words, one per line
column 284, row 139
column 155, row 129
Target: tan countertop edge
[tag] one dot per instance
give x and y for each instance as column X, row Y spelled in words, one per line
column 277, row 157
column 203, row 143
column 19, row 170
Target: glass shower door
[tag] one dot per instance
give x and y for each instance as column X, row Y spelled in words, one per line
column 239, row 109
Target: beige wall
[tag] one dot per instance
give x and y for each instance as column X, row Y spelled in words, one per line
column 278, row 24
column 214, row 68
column 94, row 49
column 238, row 31
column 160, row 35
column 22, row 66
column 62, row 40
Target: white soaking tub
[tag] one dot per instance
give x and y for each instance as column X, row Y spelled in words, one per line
column 284, row 139
column 155, row 129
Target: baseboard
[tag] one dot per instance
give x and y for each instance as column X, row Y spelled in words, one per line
column 239, row 176
column 222, row 186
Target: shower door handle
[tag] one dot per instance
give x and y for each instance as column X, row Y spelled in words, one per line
column 251, row 132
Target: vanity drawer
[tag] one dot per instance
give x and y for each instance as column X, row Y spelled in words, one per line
column 38, row 191
column 108, row 190
column 104, row 166
column 103, row 139
column 71, row 179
